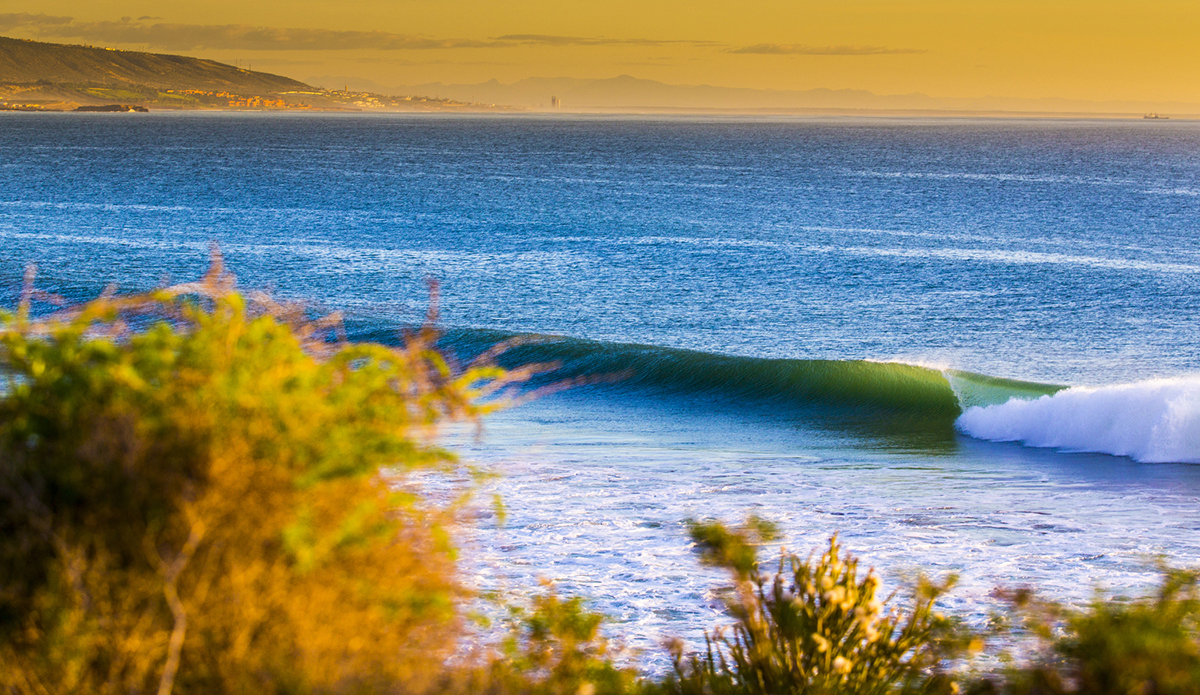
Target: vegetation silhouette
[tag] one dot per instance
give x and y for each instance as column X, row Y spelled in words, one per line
column 192, row 498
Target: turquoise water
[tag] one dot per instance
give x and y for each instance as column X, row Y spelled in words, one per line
column 824, row 321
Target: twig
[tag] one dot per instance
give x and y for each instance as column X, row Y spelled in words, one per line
column 170, row 574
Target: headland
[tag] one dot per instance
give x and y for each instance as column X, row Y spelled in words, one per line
column 38, row 76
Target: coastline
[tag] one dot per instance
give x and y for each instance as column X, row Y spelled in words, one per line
column 422, row 105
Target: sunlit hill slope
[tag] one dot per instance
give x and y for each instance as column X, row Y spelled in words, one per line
column 49, row 76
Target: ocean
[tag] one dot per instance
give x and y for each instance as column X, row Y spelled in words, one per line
column 965, row 346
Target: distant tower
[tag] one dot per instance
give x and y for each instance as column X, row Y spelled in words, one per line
column 555, row 103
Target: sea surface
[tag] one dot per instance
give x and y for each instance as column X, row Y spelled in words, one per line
column 965, row 346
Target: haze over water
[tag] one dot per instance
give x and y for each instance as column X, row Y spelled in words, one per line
column 752, row 274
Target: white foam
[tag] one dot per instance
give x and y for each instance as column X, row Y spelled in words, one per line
column 1154, row 421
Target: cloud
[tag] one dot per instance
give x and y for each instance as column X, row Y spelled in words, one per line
column 803, row 49
column 230, row 36
column 438, row 61
column 13, row 20
column 285, row 62
column 553, row 40
column 183, row 37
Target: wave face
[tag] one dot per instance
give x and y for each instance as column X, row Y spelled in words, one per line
column 834, row 384
column 1154, row 421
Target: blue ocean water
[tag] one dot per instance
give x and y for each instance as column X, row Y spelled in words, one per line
column 803, row 308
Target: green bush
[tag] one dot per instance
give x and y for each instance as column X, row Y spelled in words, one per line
column 554, row 648
column 196, row 505
column 1146, row 646
column 815, row 627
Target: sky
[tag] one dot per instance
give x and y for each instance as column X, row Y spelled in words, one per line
column 1076, row 49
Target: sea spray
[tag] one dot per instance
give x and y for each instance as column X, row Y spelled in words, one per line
column 1154, row 421
column 973, row 389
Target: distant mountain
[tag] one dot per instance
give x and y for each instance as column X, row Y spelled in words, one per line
column 626, row 93
column 23, row 62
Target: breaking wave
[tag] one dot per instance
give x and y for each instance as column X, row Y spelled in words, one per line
column 1150, row 421
column 1154, row 421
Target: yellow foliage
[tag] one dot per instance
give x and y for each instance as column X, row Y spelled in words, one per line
column 815, row 627
column 554, row 648
column 192, row 499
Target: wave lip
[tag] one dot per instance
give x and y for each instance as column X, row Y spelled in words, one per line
column 1156, row 421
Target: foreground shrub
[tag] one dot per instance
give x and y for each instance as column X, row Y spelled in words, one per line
column 815, row 627
column 196, row 505
column 1146, row 646
column 553, row 648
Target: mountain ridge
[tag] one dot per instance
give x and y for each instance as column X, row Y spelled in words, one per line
column 626, row 92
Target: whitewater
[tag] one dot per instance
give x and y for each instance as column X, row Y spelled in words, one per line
column 966, row 346
column 1155, row 421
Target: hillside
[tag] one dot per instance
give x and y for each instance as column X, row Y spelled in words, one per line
column 36, row 76
column 23, row 62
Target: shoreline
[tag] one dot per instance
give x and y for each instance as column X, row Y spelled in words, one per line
column 666, row 113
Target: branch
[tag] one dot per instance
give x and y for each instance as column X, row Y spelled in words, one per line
column 170, row 574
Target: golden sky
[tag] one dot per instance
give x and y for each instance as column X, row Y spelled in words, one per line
column 1078, row 49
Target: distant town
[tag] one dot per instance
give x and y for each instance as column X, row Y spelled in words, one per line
column 66, row 97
